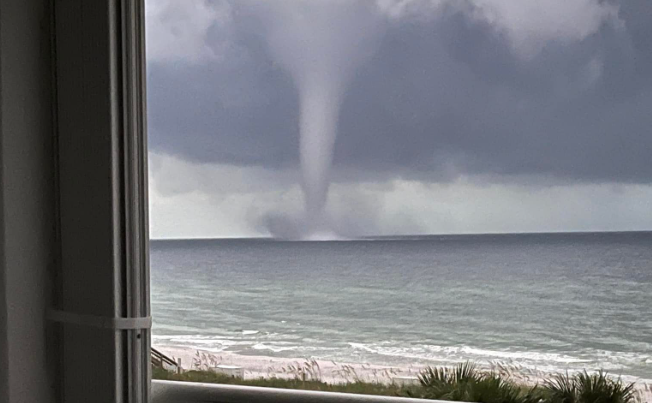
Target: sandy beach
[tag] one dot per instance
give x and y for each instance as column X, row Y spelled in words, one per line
column 267, row 367
column 258, row 366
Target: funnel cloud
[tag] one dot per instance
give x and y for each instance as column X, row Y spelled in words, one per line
column 320, row 43
column 270, row 102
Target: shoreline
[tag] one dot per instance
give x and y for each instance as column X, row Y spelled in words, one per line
column 260, row 366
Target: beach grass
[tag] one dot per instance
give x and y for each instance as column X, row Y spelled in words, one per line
column 464, row 382
column 359, row 387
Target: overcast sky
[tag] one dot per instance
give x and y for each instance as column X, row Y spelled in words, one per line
column 465, row 117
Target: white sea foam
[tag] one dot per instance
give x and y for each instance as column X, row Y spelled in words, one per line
column 546, row 361
column 276, row 349
column 212, row 343
column 534, row 360
column 433, row 351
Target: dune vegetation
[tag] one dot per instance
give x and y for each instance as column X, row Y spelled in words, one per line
column 464, row 382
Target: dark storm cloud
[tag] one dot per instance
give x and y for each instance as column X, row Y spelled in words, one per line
column 439, row 98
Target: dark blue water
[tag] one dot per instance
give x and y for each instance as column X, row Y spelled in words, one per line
column 545, row 301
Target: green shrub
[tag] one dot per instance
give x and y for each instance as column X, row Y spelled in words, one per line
column 589, row 388
column 449, row 383
column 160, row 373
column 467, row 384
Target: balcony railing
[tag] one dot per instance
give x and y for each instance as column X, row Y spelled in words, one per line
column 189, row 392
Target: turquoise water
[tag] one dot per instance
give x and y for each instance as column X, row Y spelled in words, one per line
column 546, row 301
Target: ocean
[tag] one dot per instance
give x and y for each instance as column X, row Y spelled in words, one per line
column 550, row 302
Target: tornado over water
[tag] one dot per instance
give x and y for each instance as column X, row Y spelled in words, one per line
column 321, row 43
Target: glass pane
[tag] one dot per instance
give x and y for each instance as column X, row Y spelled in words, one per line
column 477, row 173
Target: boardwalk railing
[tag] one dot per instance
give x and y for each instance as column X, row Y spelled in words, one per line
column 161, row 360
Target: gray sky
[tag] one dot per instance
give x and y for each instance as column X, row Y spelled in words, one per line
column 469, row 116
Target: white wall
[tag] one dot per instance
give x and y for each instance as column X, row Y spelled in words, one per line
column 27, row 236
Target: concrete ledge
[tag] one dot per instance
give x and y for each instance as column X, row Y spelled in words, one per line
column 189, row 392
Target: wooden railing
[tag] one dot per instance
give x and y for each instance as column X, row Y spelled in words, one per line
column 161, row 360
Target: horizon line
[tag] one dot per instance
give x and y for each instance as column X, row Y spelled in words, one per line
column 368, row 237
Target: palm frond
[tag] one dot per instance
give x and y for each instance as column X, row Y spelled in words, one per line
column 599, row 388
column 561, row 389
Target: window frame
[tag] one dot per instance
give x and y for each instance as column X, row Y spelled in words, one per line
column 101, row 300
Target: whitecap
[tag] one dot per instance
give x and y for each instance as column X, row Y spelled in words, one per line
column 276, row 349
